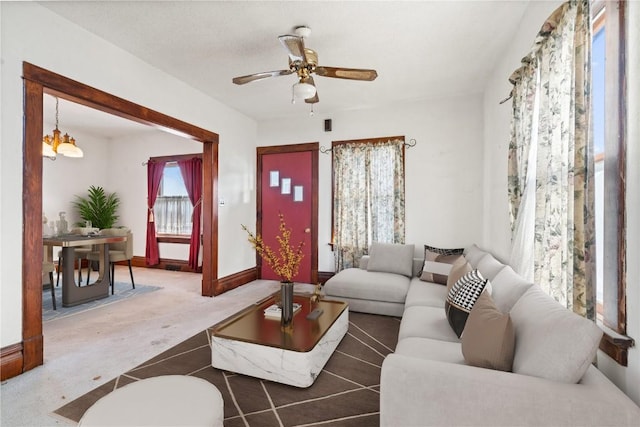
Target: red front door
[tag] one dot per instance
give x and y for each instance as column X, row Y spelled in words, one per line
column 287, row 186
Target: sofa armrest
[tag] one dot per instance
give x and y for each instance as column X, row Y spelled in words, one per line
column 418, row 392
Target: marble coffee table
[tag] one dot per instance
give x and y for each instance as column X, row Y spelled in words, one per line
column 251, row 344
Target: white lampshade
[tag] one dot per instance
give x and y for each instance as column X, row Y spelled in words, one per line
column 47, row 150
column 70, row 150
column 304, row 90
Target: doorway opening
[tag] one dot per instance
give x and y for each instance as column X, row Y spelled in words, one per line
column 37, row 82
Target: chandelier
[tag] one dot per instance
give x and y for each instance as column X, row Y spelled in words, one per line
column 53, row 145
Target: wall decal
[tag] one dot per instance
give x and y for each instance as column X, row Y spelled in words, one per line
column 274, row 179
column 286, row 186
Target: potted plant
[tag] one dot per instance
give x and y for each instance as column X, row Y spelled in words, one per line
column 98, row 207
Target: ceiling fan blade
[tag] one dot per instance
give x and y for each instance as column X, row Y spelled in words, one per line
column 347, row 73
column 294, row 46
column 258, row 76
column 314, row 98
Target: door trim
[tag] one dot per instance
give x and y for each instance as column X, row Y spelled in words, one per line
column 38, row 81
column 294, row 148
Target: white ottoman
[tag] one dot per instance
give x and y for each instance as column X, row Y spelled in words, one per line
column 170, row 400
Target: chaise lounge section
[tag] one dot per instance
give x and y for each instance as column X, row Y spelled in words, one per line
column 521, row 359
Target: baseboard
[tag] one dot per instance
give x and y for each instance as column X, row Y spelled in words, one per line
column 11, row 361
column 164, row 264
column 234, row 280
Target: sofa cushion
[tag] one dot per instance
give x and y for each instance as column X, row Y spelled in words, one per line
column 426, row 322
column 425, row 293
column 427, row 348
column 551, row 341
column 489, row 266
column 507, row 287
column 391, row 258
column 437, row 263
column 488, row 339
column 458, row 269
column 474, row 254
column 462, row 297
column 368, row 285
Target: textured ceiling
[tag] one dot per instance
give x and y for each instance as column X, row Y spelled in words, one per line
column 421, row 50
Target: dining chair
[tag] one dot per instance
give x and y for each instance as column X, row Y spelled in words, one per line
column 49, row 267
column 120, row 251
column 80, row 252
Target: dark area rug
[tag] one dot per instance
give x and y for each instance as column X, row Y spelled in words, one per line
column 346, row 393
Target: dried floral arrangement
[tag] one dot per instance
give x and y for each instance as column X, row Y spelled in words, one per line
column 287, row 262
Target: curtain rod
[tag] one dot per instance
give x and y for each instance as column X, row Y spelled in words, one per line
column 412, row 143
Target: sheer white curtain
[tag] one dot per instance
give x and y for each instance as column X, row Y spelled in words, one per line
column 551, row 167
column 524, row 143
column 173, row 214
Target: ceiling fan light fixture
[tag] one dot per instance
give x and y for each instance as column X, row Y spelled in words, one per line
column 303, row 91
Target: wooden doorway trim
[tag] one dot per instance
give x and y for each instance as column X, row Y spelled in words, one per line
column 279, row 149
column 38, row 81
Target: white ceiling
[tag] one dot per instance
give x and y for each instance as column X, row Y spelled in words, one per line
column 421, row 50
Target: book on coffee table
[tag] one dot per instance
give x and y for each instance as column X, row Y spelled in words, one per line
column 275, row 312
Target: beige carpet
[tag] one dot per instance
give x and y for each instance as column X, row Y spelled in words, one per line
column 346, row 393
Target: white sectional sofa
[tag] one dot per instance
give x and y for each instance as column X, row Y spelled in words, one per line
column 427, row 381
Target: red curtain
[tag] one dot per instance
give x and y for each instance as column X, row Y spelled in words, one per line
column 154, row 176
column 191, row 171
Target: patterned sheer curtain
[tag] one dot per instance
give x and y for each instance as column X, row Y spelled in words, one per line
column 551, row 167
column 368, row 197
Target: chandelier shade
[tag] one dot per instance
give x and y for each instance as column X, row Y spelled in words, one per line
column 66, row 145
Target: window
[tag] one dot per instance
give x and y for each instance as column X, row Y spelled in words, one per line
column 597, row 90
column 609, row 125
column 173, row 209
column 368, row 196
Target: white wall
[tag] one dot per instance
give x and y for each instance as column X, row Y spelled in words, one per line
column 68, row 50
column 496, row 230
column 443, row 171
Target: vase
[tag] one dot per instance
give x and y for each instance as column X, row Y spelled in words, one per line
column 286, row 299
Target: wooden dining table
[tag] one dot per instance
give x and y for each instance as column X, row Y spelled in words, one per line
column 73, row 294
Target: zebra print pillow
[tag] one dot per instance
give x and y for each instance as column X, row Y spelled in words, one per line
column 461, row 298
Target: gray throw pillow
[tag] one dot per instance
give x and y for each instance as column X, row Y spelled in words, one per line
column 391, row 258
column 552, row 342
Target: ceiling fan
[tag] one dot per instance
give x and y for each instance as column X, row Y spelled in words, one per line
column 304, row 62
